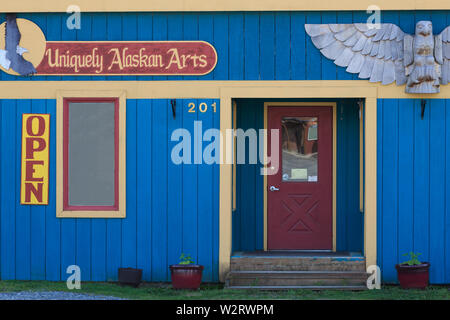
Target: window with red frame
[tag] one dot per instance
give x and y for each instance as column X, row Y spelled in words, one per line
column 90, row 159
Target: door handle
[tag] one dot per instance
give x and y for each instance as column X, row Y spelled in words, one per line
column 273, row 188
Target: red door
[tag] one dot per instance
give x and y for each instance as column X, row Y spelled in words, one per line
column 299, row 198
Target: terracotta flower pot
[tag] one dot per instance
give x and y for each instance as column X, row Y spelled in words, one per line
column 413, row 277
column 130, row 276
column 186, row 276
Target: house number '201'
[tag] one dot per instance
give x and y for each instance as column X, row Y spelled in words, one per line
column 202, row 107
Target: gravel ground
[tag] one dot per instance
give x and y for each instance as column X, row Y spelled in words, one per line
column 51, row 295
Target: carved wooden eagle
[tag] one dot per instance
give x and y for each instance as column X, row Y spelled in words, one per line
column 387, row 54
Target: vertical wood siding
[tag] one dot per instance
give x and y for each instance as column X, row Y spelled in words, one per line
column 250, row 45
column 413, row 185
column 349, row 220
column 248, row 218
column 170, row 208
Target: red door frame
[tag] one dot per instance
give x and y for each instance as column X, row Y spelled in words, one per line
column 324, row 188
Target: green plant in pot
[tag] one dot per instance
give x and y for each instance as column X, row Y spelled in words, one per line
column 413, row 274
column 186, row 274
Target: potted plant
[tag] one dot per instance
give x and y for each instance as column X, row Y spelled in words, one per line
column 186, row 274
column 130, row 276
column 413, row 274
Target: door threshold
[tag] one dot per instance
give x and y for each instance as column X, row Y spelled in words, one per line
column 296, row 254
column 299, row 251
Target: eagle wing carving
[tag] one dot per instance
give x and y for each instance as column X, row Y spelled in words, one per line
column 442, row 54
column 374, row 54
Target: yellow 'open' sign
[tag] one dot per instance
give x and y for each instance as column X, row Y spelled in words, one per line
column 35, row 158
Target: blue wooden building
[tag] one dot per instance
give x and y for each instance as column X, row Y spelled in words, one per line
column 384, row 178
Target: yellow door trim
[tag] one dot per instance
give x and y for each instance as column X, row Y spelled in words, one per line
column 225, row 187
column 234, row 154
column 303, row 104
column 370, row 181
column 369, row 94
column 361, row 156
column 217, row 5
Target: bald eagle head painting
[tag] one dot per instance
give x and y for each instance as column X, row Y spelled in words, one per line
column 11, row 57
column 387, row 54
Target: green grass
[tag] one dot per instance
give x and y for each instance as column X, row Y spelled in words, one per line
column 215, row 291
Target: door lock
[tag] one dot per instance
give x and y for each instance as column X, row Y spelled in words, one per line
column 273, row 188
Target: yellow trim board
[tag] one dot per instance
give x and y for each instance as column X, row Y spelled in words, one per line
column 225, row 188
column 234, row 154
column 333, row 105
column 370, row 181
column 217, row 5
column 60, row 213
column 341, row 91
column 361, row 157
column 211, row 89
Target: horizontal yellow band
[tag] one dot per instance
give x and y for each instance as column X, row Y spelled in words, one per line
column 218, row 5
column 214, row 89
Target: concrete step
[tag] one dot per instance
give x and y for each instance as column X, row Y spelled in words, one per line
column 280, row 263
column 295, row 278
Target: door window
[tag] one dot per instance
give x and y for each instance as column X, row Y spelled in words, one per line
column 299, row 149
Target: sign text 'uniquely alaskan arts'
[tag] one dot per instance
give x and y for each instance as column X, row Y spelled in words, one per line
column 35, row 158
column 27, row 53
column 133, row 58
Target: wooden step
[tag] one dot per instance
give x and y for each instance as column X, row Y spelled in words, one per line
column 296, row 278
column 318, row 288
column 281, row 263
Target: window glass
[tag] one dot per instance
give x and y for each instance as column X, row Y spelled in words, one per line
column 299, row 149
column 91, row 154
